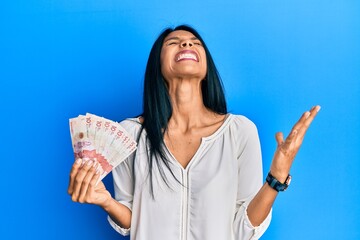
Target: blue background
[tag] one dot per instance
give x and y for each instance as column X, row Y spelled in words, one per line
column 277, row 58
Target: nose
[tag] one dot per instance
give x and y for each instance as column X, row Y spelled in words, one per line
column 187, row 43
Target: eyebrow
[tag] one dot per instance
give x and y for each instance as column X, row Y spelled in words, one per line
column 177, row 38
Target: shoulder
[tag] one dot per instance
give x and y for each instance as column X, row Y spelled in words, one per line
column 242, row 123
column 132, row 125
column 242, row 130
column 245, row 135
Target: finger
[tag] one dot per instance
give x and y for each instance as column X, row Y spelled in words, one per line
column 92, row 184
column 73, row 172
column 85, row 183
column 298, row 129
column 291, row 138
column 305, row 124
column 279, row 138
column 300, row 123
column 79, row 180
column 313, row 112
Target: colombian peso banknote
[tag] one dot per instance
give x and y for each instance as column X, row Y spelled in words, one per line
column 101, row 140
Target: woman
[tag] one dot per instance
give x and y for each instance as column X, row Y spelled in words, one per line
column 197, row 172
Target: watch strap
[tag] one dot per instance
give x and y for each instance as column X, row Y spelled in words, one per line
column 276, row 185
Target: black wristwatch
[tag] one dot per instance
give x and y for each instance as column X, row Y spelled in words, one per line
column 275, row 184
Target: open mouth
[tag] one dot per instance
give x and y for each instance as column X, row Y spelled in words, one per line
column 186, row 55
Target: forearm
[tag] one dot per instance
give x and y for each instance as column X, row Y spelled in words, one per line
column 118, row 212
column 261, row 204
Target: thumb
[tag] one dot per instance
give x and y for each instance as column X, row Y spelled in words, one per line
column 279, row 138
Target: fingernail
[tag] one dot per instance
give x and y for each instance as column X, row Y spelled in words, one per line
column 318, row 108
column 96, row 165
column 78, row 161
column 307, row 114
column 90, row 162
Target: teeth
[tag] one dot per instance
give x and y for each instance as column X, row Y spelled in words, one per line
column 187, row 55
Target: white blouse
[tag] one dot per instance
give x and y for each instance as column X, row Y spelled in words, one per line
column 210, row 200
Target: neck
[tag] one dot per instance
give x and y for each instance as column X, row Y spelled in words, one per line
column 187, row 103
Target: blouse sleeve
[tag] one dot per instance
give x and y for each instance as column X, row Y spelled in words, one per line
column 123, row 179
column 250, row 180
column 123, row 188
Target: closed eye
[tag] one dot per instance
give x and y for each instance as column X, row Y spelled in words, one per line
column 172, row 43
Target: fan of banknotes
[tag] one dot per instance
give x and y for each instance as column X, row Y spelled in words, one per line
column 101, row 140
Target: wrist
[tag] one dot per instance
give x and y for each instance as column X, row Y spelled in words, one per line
column 276, row 184
column 281, row 176
column 106, row 205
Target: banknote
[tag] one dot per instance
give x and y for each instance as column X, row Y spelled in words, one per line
column 101, row 140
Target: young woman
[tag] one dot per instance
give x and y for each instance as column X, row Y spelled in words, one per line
column 197, row 171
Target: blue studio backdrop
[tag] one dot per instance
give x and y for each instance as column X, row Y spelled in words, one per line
column 59, row 59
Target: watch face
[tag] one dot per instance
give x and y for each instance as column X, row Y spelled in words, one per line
column 287, row 183
column 288, row 180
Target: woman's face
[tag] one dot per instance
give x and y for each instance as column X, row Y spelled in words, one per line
column 183, row 56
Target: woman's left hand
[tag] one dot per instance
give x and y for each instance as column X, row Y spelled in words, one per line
column 287, row 150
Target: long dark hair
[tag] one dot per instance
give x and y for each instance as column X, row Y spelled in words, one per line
column 157, row 107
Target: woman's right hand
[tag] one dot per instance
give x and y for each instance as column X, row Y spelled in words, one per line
column 82, row 186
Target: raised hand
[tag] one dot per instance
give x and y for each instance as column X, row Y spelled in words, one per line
column 287, row 150
column 82, row 185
